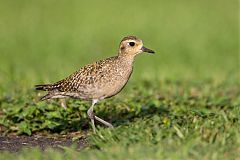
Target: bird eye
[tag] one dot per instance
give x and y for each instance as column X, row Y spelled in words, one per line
column 131, row 44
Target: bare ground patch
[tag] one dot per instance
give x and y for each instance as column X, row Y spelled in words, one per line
column 15, row 143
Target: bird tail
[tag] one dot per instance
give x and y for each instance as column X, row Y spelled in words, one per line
column 51, row 88
column 46, row 87
column 43, row 87
column 47, row 96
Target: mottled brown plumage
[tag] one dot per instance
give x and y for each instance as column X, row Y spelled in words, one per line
column 100, row 80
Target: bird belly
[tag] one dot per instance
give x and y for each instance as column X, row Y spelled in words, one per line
column 114, row 86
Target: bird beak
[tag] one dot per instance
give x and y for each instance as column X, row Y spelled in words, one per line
column 144, row 49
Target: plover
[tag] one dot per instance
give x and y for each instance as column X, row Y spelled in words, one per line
column 99, row 80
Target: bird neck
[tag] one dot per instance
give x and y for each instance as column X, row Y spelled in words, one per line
column 129, row 59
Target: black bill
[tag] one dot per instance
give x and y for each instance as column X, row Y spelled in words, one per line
column 144, row 49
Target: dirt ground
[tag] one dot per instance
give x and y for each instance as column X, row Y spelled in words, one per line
column 16, row 143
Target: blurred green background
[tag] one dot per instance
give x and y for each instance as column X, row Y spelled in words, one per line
column 181, row 103
column 44, row 41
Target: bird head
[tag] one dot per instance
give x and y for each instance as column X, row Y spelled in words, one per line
column 131, row 46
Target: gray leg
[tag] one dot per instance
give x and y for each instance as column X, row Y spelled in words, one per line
column 103, row 122
column 92, row 117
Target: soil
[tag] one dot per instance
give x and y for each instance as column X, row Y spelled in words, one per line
column 17, row 143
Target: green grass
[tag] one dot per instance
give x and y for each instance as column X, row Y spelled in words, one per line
column 181, row 103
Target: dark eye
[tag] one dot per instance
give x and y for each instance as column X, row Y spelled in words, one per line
column 131, row 44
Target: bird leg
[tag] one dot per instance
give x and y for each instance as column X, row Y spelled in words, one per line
column 103, row 122
column 92, row 117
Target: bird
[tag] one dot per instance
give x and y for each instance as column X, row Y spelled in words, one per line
column 99, row 80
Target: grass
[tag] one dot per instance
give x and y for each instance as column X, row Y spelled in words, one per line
column 181, row 103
